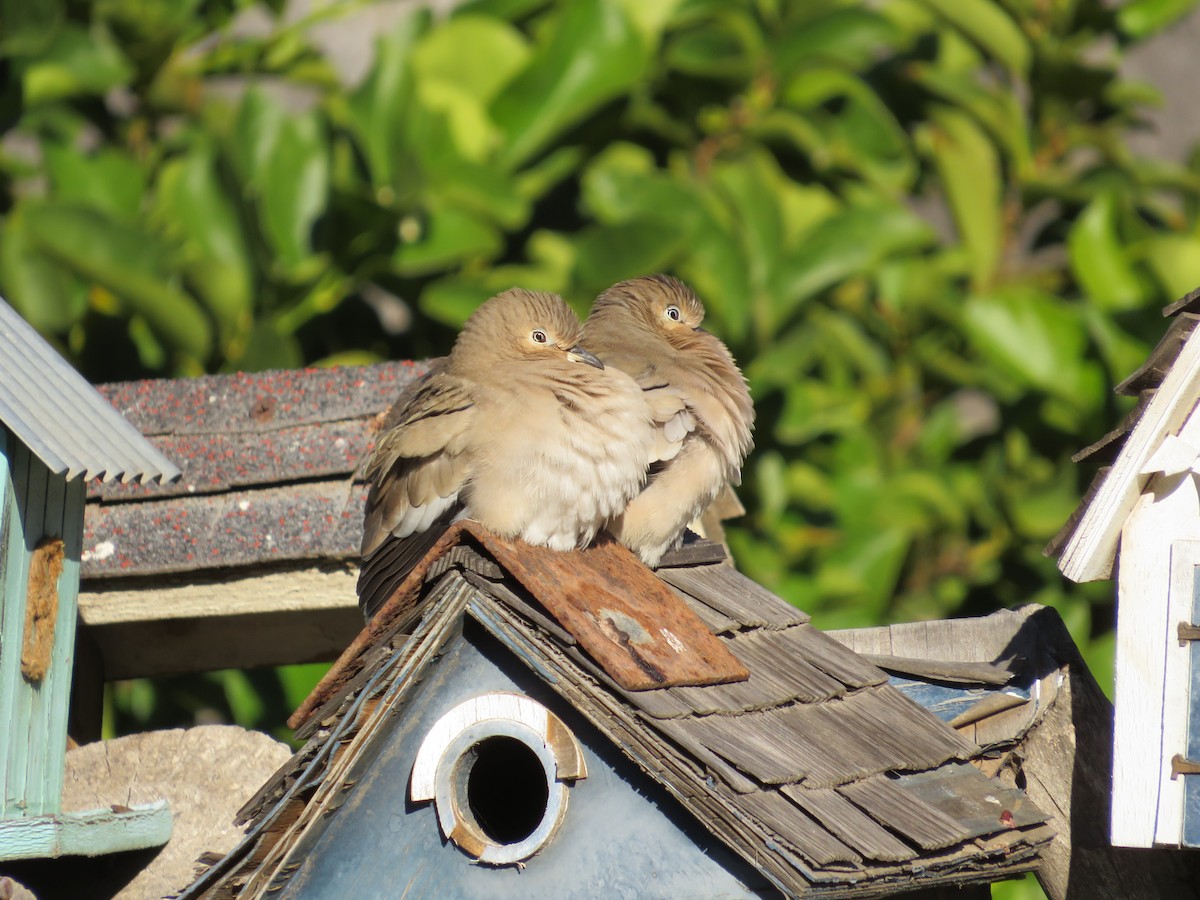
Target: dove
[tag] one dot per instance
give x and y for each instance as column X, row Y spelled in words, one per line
column 649, row 327
column 520, row 428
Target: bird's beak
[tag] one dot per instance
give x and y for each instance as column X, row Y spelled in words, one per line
column 578, row 354
column 700, row 330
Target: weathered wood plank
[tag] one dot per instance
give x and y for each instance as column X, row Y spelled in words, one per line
column 869, row 731
column 849, row 823
column 92, row 833
column 942, row 670
column 777, row 676
column 906, row 814
column 733, row 594
column 797, row 829
column 286, row 589
column 829, row 656
column 1068, row 768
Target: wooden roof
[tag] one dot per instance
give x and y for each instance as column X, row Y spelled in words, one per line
column 814, row 769
column 1167, row 386
column 269, row 462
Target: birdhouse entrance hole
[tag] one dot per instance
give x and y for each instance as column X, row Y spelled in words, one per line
column 497, row 768
column 506, row 789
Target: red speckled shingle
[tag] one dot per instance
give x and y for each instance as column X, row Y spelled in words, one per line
column 268, row 461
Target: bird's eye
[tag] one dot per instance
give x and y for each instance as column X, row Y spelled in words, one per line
column 539, row 336
column 674, row 314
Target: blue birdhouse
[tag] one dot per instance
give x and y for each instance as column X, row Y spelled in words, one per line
column 56, row 434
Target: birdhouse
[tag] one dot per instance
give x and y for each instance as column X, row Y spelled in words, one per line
column 56, row 433
column 517, row 721
column 1140, row 521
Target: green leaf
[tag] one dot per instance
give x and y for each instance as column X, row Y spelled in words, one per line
column 451, row 237
column 970, row 170
column 380, row 109
column 846, row 244
column 1098, row 258
column 611, row 253
column 1175, row 260
column 592, row 54
column 989, row 26
column 476, row 54
column 1141, row 18
column 451, row 301
column 254, row 135
column 995, row 108
column 295, row 187
column 46, row 293
column 727, row 45
column 108, row 179
column 1033, row 338
column 77, row 62
column 126, row 262
column 852, row 36
column 194, row 207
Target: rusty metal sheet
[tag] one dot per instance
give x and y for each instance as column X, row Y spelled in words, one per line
column 631, row 623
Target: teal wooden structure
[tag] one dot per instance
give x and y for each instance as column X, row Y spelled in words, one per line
column 56, row 433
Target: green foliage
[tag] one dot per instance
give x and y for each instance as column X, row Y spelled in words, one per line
column 916, row 223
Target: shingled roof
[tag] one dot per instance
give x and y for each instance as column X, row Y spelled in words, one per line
column 813, row 769
column 1165, row 385
column 269, row 462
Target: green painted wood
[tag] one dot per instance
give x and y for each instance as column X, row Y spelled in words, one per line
column 56, row 693
column 34, row 716
column 8, row 569
column 91, row 833
column 29, row 481
column 14, row 692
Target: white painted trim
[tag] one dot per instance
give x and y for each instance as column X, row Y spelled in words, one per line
column 1089, row 554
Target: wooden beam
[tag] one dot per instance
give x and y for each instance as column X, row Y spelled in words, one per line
column 291, row 590
column 263, row 618
column 91, row 833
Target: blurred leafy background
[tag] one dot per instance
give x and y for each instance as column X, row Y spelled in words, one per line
column 919, row 224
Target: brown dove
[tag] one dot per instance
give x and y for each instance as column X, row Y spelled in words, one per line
column 650, row 328
column 519, row 428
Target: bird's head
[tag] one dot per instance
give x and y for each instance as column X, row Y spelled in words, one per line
column 661, row 303
column 520, row 325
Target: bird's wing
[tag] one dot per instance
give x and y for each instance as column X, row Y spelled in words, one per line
column 419, row 465
column 673, row 420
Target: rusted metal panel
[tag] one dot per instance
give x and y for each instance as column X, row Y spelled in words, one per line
column 321, row 520
column 53, row 411
column 630, row 622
